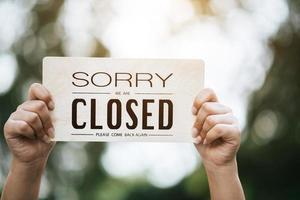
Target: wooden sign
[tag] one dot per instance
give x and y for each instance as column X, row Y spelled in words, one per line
column 106, row 99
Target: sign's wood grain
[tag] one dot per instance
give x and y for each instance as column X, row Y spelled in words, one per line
column 105, row 99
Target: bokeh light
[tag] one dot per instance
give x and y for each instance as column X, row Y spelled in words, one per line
column 235, row 38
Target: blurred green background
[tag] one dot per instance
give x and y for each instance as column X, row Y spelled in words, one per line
column 269, row 157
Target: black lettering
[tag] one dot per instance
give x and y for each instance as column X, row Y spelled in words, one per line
column 161, row 114
column 137, row 79
column 103, row 73
column 117, row 79
column 164, row 80
column 118, row 113
column 86, row 82
column 93, row 115
column 74, row 113
column 146, row 114
column 131, row 114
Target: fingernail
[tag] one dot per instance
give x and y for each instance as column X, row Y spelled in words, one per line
column 198, row 140
column 194, row 110
column 195, row 132
column 51, row 105
column 46, row 139
column 205, row 141
column 51, row 132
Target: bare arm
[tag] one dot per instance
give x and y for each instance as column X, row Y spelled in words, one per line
column 224, row 182
column 217, row 136
column 23, row 181
column 27, row 133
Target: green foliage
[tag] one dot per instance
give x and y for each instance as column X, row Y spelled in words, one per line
column 268, row 164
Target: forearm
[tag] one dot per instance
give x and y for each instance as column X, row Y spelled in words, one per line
column 23, row 181
column 224, row 182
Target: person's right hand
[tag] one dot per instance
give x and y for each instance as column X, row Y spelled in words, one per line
column 29, row 130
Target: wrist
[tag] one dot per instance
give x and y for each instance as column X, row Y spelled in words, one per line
column 24, row 177
column 228, row 168
column 223, row 180
column 32, row 169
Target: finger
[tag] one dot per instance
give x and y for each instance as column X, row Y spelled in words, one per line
column 17, row 128
column 206, row 95
column 41, row 109
column 195, row 132
column 197, row 140
column 228, row 133
column 34, row 121
column 209, row 108
column 39, row 92
column 213, row 120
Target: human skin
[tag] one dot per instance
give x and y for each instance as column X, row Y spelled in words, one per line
column 29, row 130
column 217, row 137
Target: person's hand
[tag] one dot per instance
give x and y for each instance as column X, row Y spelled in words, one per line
column 29, row 130
column 215, row 129
column 217, row 138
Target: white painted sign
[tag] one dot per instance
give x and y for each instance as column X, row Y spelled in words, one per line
column 106, row 99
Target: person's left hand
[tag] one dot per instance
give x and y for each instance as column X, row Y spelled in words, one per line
column 215, row 129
